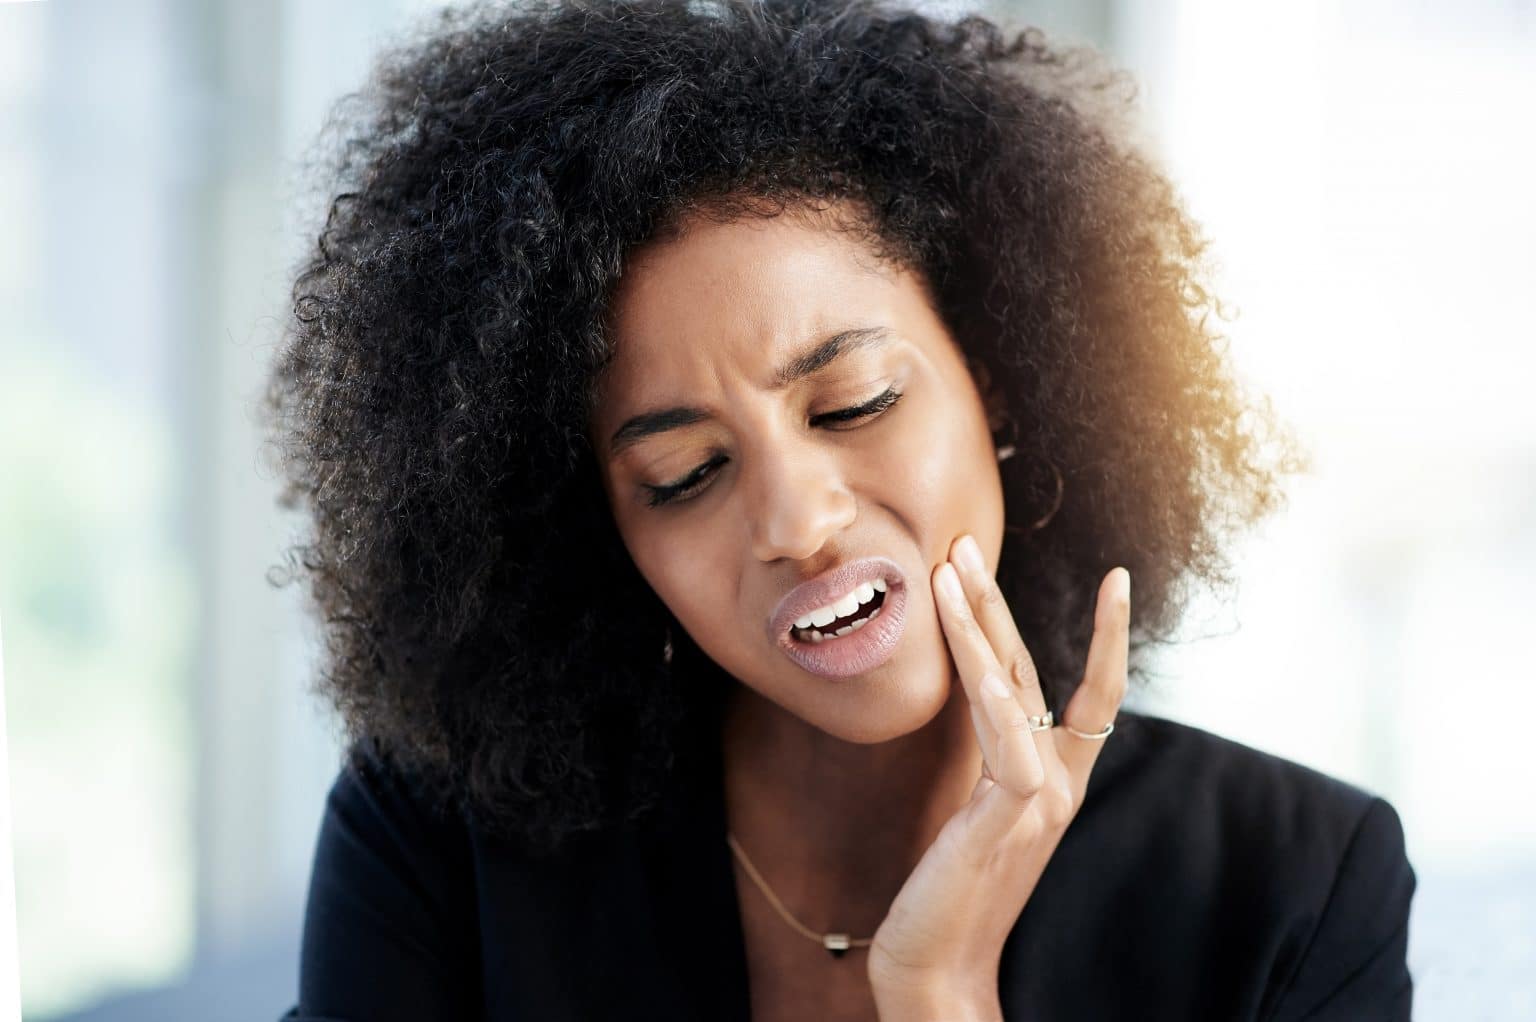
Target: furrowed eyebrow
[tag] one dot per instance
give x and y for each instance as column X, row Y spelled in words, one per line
column 816, row 358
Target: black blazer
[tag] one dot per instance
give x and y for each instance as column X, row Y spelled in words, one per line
column 1201, row 879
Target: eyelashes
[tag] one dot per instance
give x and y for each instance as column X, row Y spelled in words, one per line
column 683, row 488
column 874, row 406
column 673, row 491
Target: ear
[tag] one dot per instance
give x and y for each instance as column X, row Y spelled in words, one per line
column 991, row 397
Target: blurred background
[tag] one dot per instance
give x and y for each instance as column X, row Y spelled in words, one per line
column 1364, row 168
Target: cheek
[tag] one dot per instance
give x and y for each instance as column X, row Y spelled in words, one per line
column 941, row 477
column 692, row 576
column 686, row 573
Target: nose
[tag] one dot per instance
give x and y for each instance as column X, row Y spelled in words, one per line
column 801, row 498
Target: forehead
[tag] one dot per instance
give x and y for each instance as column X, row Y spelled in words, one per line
column 738, row 296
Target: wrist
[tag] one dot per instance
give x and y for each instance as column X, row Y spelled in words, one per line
column 936, row 1002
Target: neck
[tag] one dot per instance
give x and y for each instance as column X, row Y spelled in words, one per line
column 836, row 827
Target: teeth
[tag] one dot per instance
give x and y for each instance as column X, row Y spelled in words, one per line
column 862, row 594
column 815, row 635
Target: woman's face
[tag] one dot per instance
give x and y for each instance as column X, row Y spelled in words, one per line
column 724, row 331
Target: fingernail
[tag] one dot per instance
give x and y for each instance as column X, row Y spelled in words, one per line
column 969, row 554
column 950, row 582
column 993, row 684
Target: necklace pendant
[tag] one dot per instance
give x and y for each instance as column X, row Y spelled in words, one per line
column 836, row 943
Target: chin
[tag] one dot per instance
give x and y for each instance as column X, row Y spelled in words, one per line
column 895, row 707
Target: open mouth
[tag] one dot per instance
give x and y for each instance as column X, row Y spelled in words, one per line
column 846, row 622
column 844, row 617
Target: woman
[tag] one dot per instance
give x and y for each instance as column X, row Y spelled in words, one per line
column 730, row 431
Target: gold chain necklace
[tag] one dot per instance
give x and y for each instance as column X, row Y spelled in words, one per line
column 836, row 943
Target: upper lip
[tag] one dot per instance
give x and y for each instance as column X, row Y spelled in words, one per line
column 829, row 586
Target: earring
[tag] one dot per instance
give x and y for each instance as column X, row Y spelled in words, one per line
column 1042, row 521
column 666, row 648
column 1007, row 450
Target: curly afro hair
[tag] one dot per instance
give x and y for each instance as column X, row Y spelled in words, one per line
column 484, row 624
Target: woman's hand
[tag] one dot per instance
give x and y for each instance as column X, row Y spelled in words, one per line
column 943, row 937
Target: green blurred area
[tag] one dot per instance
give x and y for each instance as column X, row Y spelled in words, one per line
column 96, row 592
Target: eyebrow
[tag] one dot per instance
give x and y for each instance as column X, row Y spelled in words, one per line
column 815, row 358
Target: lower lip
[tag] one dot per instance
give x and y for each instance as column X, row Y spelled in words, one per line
column 859, row 652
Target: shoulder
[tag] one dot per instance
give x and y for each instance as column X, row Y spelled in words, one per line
column 1180, row 763
column 1302, row 873
column 382, row 829
column 374, row 792
column 1213, row 797
column 388, row 907
column 1225, row 785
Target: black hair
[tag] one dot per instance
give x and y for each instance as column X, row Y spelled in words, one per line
column 484, row 624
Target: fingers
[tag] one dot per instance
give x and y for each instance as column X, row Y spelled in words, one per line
column 1017, row 765
column 1000, row 804
column 978, row 626
column 987, row 738
column 984, row 640
column 990, row 608
column 1102, row 690
column 967, row 642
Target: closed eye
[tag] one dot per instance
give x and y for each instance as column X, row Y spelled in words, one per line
column 874, row 406
column 686, row 487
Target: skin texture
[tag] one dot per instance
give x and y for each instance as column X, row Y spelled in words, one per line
column 835, row 787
